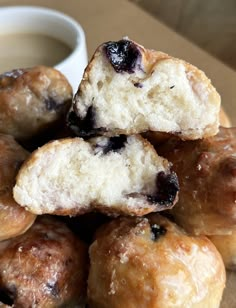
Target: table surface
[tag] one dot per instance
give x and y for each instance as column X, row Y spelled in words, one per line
column 105, row 20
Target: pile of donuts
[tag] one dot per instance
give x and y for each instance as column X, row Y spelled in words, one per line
column 121, row 196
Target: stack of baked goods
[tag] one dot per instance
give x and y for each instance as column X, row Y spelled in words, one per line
column 144, row 169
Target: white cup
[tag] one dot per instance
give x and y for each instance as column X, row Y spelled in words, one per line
column 32, row 19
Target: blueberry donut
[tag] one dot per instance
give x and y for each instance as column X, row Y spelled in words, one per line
column 117, row 175
column 207, row 175
column 32, row 101
column 14, row 219
column 150, row 262
column 128, row 89
column 45, row 267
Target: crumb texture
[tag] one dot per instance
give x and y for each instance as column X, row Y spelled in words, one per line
column 159, row 94
column 119, row 173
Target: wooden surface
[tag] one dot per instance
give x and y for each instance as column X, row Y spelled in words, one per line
column 209, row 24
column 110, row 20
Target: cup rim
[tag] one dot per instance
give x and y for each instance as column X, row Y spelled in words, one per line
column 80, row 41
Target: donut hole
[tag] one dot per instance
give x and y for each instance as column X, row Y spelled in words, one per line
column 121, row 174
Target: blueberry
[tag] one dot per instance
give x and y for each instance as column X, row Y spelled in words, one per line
column 84, row 127
column 123, row 55
column 114, row 144
column 157, row 231
column 51, row 104
column 167, row 187
column 138, row 85
column 53, row 288
column 8, row 295
column 14, row 73
column 8, row 79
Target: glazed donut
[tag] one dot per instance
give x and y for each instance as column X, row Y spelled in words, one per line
column 127, row 89
column 44, row 267
column 226, row 245
column 207, row 174
column 14, row 219
column 33, row 101
column 150, row 262
column 117, row 175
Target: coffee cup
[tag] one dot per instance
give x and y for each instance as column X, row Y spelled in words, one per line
column 31, row 35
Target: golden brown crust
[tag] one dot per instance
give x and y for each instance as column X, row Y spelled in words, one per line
column 150, row 262
column 32, row 101
column 14, row 219
column 45, row 267
column 206, row 171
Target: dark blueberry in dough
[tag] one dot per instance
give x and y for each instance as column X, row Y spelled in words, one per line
column 84, row 127
column 114, row 144
column 138, row 85
column 13, row 74
column 157, row 231
column 51, row 104
column 8, row 79
column 7, row 296
column 123, row 55
column 53, row 289
column 167, row 186
column 68, row 262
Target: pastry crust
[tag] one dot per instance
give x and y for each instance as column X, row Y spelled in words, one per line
column 118, row 175
column 207, row 174
column 127, row 89
column 14, row 219
column 45, row 267
column 150, row 262
column 33, row 101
